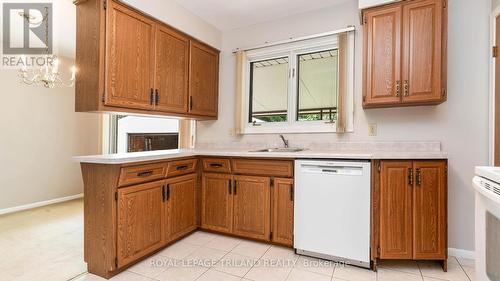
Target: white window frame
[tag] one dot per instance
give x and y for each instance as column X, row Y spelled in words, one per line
column 292, row 50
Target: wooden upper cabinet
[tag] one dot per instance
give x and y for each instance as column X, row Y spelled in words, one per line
column 181, row 204
column 382, row 49
column 217, row 202
column 129, row 56
column 421, row 72
column 396, row 226
column 171, row 70
column 131, row 62
column 203, row 77
column 252, row 207
column 405, row 54
column 140, row 216
column 429, row 210
column 282, row 211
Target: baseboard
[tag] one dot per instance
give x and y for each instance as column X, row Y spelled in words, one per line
column 460, row 253
column 39, row 204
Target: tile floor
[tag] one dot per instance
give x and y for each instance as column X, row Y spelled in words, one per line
column 47, row 244
column 205, row 256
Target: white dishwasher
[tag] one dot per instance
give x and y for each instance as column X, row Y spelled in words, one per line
column 332, row 210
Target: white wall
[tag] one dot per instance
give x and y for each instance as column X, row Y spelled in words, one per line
column 40, row 132
column 172, row 13
column 461, row 123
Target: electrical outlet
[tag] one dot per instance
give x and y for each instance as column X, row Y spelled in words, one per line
column 372, row 129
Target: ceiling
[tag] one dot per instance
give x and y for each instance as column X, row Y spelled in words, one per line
column 232, row 14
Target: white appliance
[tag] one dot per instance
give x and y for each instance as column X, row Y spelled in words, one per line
column 487, row 186
column 371, row 3
column 332, row 210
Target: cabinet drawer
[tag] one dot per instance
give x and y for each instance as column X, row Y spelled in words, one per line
column 181, row 167
column 278, row 168
column 142, row 173
column 218, row 165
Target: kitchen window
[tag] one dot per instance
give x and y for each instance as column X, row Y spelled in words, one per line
column 299, row 87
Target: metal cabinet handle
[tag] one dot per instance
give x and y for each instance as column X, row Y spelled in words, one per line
column 291, row 192
column 215, row 165
column 168, row 191
column 230, row 186
column 151, row 97
column 145, row 174
column 410, row 176
column 406, row 88
column 235, row 185
column 180, row 168
column 157, row 96
column 191, row 103
column 419, row 177
column 398, row 88
column 163, row 193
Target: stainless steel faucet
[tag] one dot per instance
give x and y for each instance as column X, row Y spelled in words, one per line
column 284, row 141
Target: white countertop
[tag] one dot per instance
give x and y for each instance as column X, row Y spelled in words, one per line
column 123, row 158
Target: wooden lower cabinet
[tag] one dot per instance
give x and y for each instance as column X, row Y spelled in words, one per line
column 430, row 210
column 282, row 211
column 180, row 206
column 411, row 202
column 140, row 219
column 217, row 202
column 251, row 207
column 396, row 230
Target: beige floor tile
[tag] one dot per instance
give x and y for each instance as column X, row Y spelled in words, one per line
column 224, row 243
column 251, row 249
column 392, row 275
column 466, row 262
column 353, row 273
column 434, row 270
column 470, row 271
column 285, row 256
column 401, row 265
column 200, row 238
column 187, row 273
column 205, row 257
column 153, row 266
column 268, row 273
column 214, row 275
column 123, row 276
column 315, row 265
column 178, row 250
column 235, row 264
column 301, row 275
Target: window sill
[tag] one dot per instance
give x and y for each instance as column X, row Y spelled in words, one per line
column 290, row 129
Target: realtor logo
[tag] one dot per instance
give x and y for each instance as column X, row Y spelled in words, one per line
column 27, row 28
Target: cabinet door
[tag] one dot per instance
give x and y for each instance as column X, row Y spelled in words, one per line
column 217, row 202
column 181, row 201
column 171, row 70
column 282, row 211
column 129, row 58
column 429, row 210
column 252, row 207
column 203, row 80
column 140, row 216
column 421, row 65
column 396, row 210
column 382, row 56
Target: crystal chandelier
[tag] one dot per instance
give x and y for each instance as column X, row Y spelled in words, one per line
column 47, row 75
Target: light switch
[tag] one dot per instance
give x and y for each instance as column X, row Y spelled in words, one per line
column 372, row 129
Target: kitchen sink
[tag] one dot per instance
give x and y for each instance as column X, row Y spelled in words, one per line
column 279, row 149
